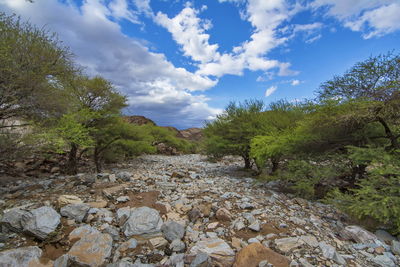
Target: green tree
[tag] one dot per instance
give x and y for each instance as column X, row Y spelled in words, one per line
column 231, row 132
column 33, row 66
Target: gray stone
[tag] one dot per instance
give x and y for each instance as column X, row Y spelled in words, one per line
column 123, row 215
column 12, row 219
column 113, row 232
column 310, row 240
column 201, row 260
column 384, row 261
column 358, row 234
column 173, row 230
column 264, row 263
column 123, row 199
column 217, row 249
column 384, row 236
column 395, row 247
column 177, row 245
column 288, row 244
column 122, row 263
column 40, row 222
column 62, row 261
column 304, row 263
column 255, row 226
column 330, row 252
column 142, row 221
column 75, row 211
column 124, row 176
column 26, row 256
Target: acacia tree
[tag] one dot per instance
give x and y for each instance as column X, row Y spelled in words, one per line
column 33, row 65
column 376, row 82
column 230, row 133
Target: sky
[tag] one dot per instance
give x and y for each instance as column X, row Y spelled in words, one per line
column 181, row 62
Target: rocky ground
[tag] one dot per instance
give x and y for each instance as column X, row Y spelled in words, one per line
column 177, row 211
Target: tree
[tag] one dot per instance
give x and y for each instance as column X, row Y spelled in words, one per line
column 230, row 133
column 376, row 81
column 33, row 64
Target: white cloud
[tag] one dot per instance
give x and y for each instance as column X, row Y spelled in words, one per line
column 189, row 31
column 373, row 18
column 270, row 91
column 153, row 84
column 295, row 82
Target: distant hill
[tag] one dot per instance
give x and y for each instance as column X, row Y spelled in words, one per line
column 190, row 134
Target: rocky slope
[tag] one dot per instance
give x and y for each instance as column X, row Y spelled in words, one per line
column 177, row 211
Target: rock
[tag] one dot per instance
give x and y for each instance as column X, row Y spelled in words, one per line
column 265, row 264
column 108, row 192
column 223, row 214
column 141, row 221
column 173, row 230
column 304, row 263
column 124, row 176
column 310, row 240
column 158, row 242
column 123, row 199
column 12, row 219
column 113, row 232
column 358, row 234
column 177, row 245
column 92, row 248
column 330, row 252
column 75, row 211
column 40, row 222
column 288, row 244
column 255, row 226
column 395, row 247
column 98, row 204
column 384, row 261
column 19, row 257
column 68, row 199
column 217, row 249
column 201, row 260
column 255, row 253
column 384, row 236
column 62, row 261
column 194, row 215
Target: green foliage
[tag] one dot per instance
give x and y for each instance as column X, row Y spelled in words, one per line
column 232, row 131
column 377, row 195
column 33, row 65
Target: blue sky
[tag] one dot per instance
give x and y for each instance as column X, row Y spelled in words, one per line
column 181, row 62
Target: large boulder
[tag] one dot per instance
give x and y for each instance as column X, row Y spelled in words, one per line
column 173, row 230
column 91, row 249
column 75, row 211
column 40, row 222
column 255, row 253
column 142, row 221
column 218, row 250
column 19, row 257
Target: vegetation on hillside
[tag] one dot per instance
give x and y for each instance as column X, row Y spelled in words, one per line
column 48, row 105
column 343, row 146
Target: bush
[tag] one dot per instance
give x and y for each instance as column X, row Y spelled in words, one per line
column 378, row 194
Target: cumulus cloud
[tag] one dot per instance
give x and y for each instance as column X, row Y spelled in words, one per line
column 147, row 78
column 188, row 30
column 373, row 18
column 270, row 91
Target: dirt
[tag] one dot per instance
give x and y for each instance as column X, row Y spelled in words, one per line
column 145, row 199
column 266, row 229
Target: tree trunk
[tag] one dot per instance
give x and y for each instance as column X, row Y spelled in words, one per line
column 97, row 159
column 72, row 163
column 389, row 134
column 247, row 162
column 275, row 165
